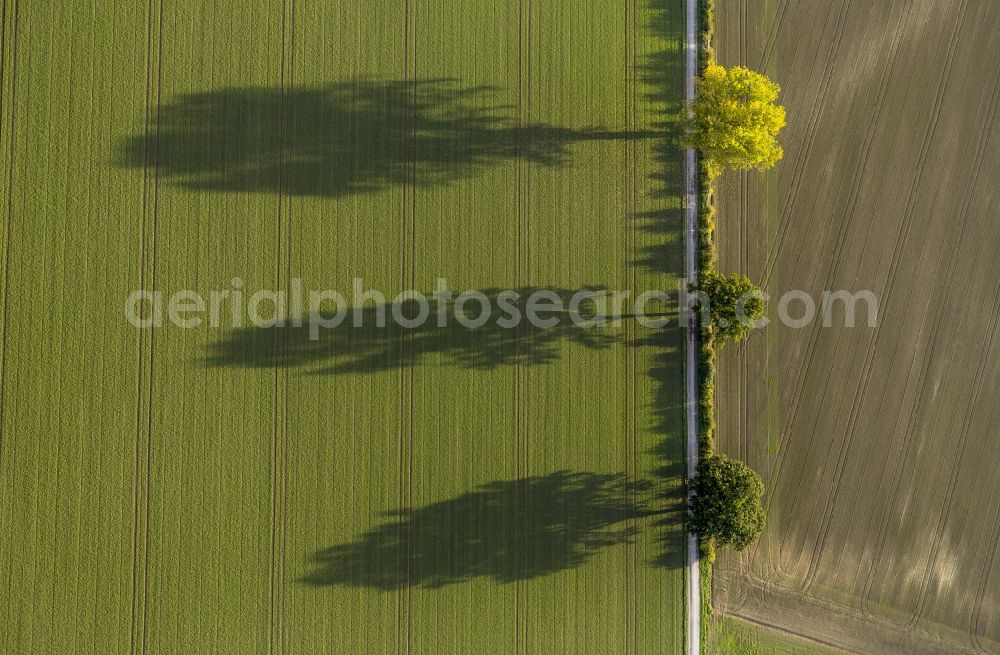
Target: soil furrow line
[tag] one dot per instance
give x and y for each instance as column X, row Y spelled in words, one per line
column 977, row 605
column 964, row 215
column 812, row 129
column 977, row 389
column 816, row 332
column 889, row 286
column 854, row 194
column 772, row 35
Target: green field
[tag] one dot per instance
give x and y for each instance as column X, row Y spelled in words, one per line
column 734, row 637
column 436, row 490
column 878, row 446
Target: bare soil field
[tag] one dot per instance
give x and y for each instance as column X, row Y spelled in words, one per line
column 878, row 445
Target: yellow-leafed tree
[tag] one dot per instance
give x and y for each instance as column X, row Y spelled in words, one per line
column 736, row 120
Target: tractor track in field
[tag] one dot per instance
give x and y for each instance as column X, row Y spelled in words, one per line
column 771, row 40
column 901, row 241
column 963, row 440
column 9, row 220
column 401, row 499
column 410, row 349
column 964, row 217
column 519, row 278
column 632, row 119
column 152, row 341
column 977, row 611
column 626, row 248
column 141, row 431
column 629, row 333
column 523, row 275
column 868, row 148
column 285, row 345
column 277, row 400
column 887, row 295
column 869, row 360
column 812, row 129
column 8, row 231
column 407, row 356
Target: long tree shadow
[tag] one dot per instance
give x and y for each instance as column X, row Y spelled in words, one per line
column 666, row 369
column 662, row 77
column 505, row 531
column 359, row 345
column 348, row 137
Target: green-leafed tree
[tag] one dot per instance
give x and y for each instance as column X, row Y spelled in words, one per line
column 735, row 120
column 727, row 502
column 734, row 305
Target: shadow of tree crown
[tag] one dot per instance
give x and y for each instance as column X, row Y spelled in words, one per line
column 365, row 347
column 506, row 531
column 348, row 137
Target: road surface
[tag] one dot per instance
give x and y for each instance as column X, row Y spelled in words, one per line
column 691, row 273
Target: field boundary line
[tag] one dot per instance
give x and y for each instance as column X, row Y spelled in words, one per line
column 787, row 631
column 773, row 594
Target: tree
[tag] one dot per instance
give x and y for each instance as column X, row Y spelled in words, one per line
column 735, row 121
column 726, row 505
column 734, row 305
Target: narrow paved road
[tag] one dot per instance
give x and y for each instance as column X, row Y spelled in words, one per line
column 691, row 273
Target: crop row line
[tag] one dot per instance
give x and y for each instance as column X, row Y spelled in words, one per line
column 280, row 433
column 143, row 471
column 522, row 275
column 8, row 218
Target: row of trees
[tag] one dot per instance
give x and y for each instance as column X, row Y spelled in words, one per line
column 734, row 123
